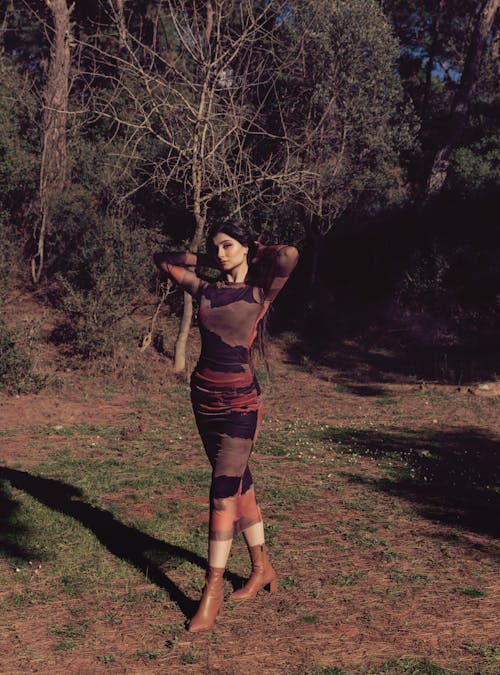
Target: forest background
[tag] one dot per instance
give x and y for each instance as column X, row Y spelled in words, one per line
column 365, row 132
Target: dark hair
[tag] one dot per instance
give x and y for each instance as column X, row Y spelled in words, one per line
column 235, row 229
column 258, row 273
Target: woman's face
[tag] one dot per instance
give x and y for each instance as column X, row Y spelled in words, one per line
column 229, row 252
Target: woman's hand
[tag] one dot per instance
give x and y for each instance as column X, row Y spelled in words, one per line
column 259, row 248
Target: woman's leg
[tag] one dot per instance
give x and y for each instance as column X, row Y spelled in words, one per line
column 250, row 522
column 228, row 438
column 254, row 535
column 249, row 517
column 221, row 527
column 252, row 528
column 228, row 456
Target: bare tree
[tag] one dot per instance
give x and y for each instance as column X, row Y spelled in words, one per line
column 118, row 11
column 199, row 90
column 53, row 168
column 478, row 44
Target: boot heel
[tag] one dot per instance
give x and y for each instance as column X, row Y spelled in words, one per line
column 273, row 586
column 261, row 570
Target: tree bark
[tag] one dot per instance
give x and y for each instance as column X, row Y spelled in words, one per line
column 436, row 27
column 477, row 48
column 183, row 334
column 118, row 7
column 187, row 310
column 53, row 168
column 199, row 207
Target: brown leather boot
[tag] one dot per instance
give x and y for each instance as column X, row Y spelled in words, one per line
column 211, row 601
column 263, row 574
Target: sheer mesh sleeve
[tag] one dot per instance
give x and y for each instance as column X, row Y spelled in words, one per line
column 283, row 260
column 172, row 264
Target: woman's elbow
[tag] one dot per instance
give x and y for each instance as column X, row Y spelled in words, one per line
column 291, row 254
column 161, row 262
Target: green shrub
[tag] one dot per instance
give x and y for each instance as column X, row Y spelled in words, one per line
column 16, row 365
column 101, row 276
column 475, row 168
column 19, row 167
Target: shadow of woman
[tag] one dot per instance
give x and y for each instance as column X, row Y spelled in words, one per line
column 139, row 549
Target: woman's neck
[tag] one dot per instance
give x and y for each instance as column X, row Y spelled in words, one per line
column 238, row 274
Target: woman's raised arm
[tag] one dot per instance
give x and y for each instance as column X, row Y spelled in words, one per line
column 282, row 260
column 175, row 264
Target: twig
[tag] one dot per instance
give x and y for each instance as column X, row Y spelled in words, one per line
column 146, row 340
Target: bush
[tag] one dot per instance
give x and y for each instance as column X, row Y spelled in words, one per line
column 16, row 365
column 19, row 168
column 474, row 169
column 101, row 276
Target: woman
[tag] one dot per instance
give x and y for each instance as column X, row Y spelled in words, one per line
column 226, row 396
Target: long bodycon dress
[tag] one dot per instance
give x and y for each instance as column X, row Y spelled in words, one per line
column 224, row 391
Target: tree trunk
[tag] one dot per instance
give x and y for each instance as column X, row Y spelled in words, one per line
column 187, row 310
column 316, row 242
column 477, row 47
column 118, row 8
column 182, row 335
column 199, row 207
column 55, row 106
column 315, row 238
column 436, row 27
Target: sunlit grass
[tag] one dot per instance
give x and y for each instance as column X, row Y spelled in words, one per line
column 333, row 520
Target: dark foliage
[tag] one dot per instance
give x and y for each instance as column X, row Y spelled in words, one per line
column 422, row 282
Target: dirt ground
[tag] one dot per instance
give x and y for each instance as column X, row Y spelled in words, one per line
column 380, row 510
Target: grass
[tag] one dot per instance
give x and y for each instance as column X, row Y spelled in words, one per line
column 471, row 592
column 189, row 656
column 412, row 666
column 64, row 645
column 107, row 532
column 148, row 655
column 327, row 671
column 347, row 579
column 74, row 630
column 489, row 655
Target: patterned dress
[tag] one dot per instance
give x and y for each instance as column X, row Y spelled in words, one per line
column 224, row 391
